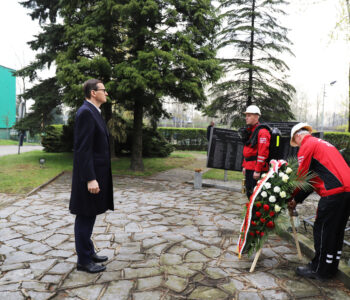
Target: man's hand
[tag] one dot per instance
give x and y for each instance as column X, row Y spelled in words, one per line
column 292, row 204
column 243, row 171
column 93, row 187
column 256, row 175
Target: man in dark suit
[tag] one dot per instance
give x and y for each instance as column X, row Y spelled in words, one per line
column 92, row 187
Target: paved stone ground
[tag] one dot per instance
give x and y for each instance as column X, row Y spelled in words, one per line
column 165, row 240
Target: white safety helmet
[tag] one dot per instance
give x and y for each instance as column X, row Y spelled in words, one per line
column 296, row 128
column 253, row 109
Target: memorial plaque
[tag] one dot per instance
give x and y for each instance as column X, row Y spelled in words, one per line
column 226, row 148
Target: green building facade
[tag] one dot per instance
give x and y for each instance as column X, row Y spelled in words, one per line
column 7, row 101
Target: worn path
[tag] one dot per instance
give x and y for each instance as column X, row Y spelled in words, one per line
column 165, row 240
column 13, row 149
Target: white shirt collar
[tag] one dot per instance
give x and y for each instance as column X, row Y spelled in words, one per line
column 99, row 110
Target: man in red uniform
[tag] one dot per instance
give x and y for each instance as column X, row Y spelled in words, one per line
column 332, row 183
column 255, row 150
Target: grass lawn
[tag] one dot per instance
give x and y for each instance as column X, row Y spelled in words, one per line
column 219, row 175
column 178, row 159
column 11, row 142
column 19, row 174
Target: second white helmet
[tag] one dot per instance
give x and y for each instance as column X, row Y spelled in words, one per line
column 253, row 109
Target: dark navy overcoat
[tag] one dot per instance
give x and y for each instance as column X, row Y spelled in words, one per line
column 91, row 161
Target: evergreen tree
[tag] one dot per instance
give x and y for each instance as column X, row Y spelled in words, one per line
column 48, row 99
column 255, row 72
column 143, row 50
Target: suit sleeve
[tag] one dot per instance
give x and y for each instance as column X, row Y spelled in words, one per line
column 84, row 135
column 264, row 138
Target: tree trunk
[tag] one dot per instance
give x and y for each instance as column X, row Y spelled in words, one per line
column 136, row 154
column 251, row 55
column 349, row 102
column 317, row 108
column 107, row 113
column 348, row 8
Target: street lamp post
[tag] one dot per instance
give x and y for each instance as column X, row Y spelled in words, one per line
column 324, row 96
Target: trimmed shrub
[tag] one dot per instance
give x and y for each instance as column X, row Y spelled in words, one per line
column 51, row 138
column 153, row 143
column 341, row 140
column 185, row 138
column 58, row 138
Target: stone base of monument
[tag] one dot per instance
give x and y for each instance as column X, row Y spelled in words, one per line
column 197, row 180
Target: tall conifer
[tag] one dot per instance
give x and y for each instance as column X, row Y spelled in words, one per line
column 255, row 71
column 143, row 50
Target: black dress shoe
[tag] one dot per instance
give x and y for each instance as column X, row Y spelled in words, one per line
column 307, row 272
column 91, row 268
column 98, row 259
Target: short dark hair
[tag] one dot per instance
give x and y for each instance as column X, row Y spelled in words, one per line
column 90, row 85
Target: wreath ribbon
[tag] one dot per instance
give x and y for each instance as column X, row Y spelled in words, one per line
column 274, row 167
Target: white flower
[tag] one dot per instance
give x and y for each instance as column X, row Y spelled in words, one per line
column 277, row 208
column 280, row 174
column 263, row 175
column 276, row 189
column 289, row 170
column 263, row 194
column 267, row 185
column 285, row 178
column 272, row 199
column 283, row 194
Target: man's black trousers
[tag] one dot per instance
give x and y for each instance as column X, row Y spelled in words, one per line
column 83, row 245
column 332, row 215
column 250, row 182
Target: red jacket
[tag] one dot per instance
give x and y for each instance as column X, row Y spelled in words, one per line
column 255, row 157
column 333, row 173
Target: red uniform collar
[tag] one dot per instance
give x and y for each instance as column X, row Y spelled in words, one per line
column 252, row 128
column 305, row 138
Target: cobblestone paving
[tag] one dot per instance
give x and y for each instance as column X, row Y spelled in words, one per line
column 165, row 240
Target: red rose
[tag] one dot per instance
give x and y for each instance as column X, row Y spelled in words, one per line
column 270, row 224
column 272, row 213
column 257, row 232
column 266, row 207
column 251, row 233
column 258, row 214
column 258, row 204
column 262, row 233
column 253, row 223
column 262, row 220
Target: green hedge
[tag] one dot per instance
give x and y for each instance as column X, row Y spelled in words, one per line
column 196, row 139
column 185, row 138
column 341, row 140
column 153, row 143
column 59, row 138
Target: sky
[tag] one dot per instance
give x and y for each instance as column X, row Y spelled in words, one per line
column 318, row 59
